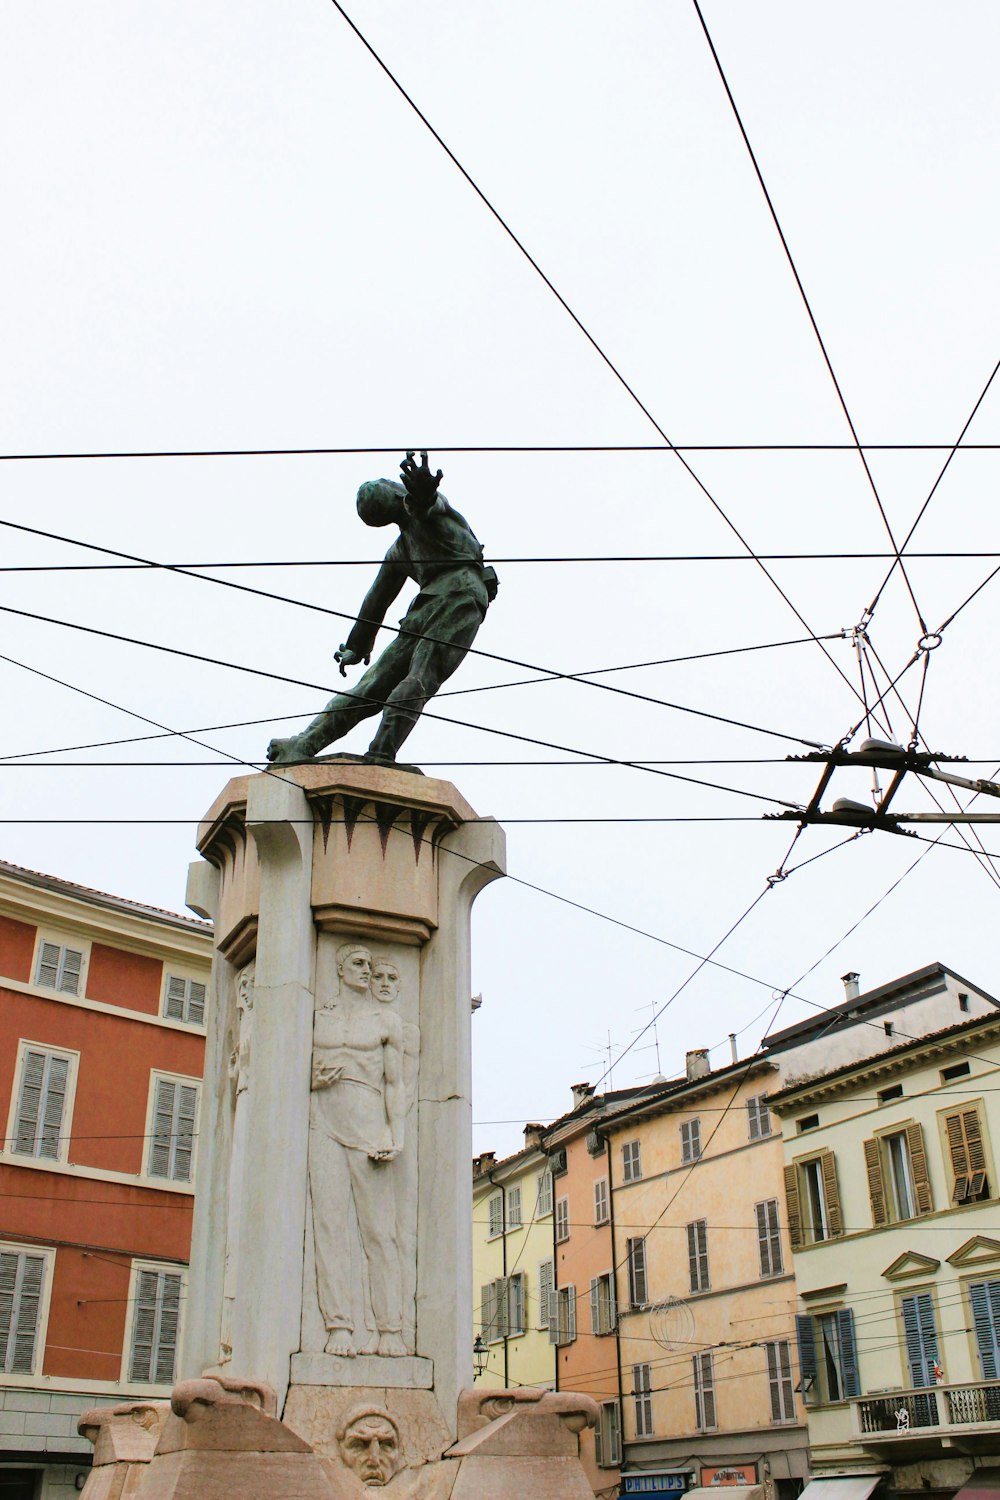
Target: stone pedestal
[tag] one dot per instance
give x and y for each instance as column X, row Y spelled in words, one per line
column 298, row 866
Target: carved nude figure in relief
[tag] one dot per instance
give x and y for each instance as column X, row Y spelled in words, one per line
column 356, row 1129
column 239, row 1075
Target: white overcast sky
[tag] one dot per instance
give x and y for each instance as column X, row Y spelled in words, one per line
column 224, row 228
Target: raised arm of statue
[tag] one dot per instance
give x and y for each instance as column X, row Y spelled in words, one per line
column 420, row 484
column 358, row 646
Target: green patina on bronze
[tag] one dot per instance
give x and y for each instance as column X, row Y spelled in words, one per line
column 438, row 549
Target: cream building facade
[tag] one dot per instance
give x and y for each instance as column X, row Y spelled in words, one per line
column 512, row 1260
column 893, row 1204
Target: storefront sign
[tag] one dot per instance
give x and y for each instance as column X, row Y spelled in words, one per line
column 654, row 1484
column 744, row 1474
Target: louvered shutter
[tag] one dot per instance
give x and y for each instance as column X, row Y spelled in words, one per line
column 143, row 1327
column 612, row 1303
column 196, row 1002
column 768, row 1237
column 554, row 1334
column 635, row 1251
column 501, row 1292
column 570, row 1314
column 918, row 1165
column 20, row 1302
column 163, row 1127
column 166, row 1344
column 513, row 1208
column 848, row 1352
column 921, row 1337
column 985, row 1299
column 486, row 1312
column 8, row 1287
column 544, row 1292
column 835, row 1217
column 53, row 1105
column 805, row 1338
column 48, row 966
column 876, row 1186
column 595, row 1305
column 175, row 998
column 69, row 978
column 187, row 1109
column 518, row 1287
column 30, row 1103
column 793, row 1207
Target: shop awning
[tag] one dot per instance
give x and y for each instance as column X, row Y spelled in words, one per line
column 983, row 1484
column 732, row 1492
column 843, row 1487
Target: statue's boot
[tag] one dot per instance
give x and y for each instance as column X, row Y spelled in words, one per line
column 332, row 724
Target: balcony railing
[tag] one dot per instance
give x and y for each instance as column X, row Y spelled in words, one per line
column 899, row 1415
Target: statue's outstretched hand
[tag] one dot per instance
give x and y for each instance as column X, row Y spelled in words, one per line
column 347, row 658
column 420, row 484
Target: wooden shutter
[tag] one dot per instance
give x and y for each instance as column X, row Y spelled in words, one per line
column 805, row 1338
column 186, row 1112
column 918, row 1165
column 196, row 1002
column 516, row 1300
column 163, row 1125
column 985, row 1299
column 514, row 1208
column 554, row 1301
column 144, row 1327
column 69, row 978
column 20, row 1302
column 175, row 998
column 876, row 1185
column 793, row 1207
column 48, row 966
column 848, row 1352
column 635, row 1251
column 595, row 1305
column 53, row 1106
column 921, row 1337
column 30, row 1104
column 166, row 1343
column 768, row 1238
column 697, row 1238
column 570, row 1314
column 966, row 1147
column 835, row 1217
column 544, row 1292
column 485, row 1312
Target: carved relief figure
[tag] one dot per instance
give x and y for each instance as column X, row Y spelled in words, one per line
column 356, row 1129
column 385, row 987
column 239, row 1074
column 369, row 1444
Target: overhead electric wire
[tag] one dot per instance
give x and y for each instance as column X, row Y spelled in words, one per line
column 509, row 661
column 606, row 359
column 812, row 319
column 665, row 447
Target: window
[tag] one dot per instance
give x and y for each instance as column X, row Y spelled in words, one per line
column 22, row 1277
column 603, row 1311
column 631, row 1165
column 154, row 1327
column 562, row 1315
column 697, row 1236
column 779, row 1375
column 898, row 1184
column 543, row 1201
column 887, row 1027
column 635, row 1257
column 59, row 968
column 769, row 1238
column 642, row 1392
column 171, row 1143
column 807, row 1122
column 963, row 1002
column 885, row 1096
column 546, row 1281
column 967, row 1149
column 921, row 1337
column 704, row 1392
column 562, row 1220
column 690, row 1140
column 608, row 1437
column 184, row 1000
column 514, row 1208
column 813, row 1200
column 601, row 1211
column 828, row 1358
column 957, row 1070
column 494, row 1215
column 502, row 1307
column 42, row 1112
column 985, row 1299
column 758, row 1117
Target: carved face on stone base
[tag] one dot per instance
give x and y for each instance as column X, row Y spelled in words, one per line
column 369, row 1444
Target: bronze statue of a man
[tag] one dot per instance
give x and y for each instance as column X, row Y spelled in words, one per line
column 438, row 549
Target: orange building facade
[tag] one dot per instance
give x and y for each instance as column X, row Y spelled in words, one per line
column 102, row 1028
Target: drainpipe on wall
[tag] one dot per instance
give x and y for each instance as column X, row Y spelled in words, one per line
column 506, row 1289
column 614, row 1273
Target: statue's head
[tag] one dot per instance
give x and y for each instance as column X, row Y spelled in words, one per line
column 354, row 965
column 244, row 987
column 369, row 1444
column 382, row 501
column 385, row 979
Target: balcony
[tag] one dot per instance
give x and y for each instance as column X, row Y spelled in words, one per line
column 915, row 1422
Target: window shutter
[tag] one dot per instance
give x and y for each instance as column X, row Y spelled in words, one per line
column 20, row 1301
column 985, row 1299
column 69, row 979
column 612, row 1304
column 793, row 1207
column 805, row 1338
column 187, row 1109
column 554, row 1318
column 697, row 1238
column 595, row 1305
column 143, row 1328
column 601, row 1201
column 918, row 1164
column 876, row 1186
column 485, row 1316
column 543, row 1204
column 768, row 1237
column 513, row 1208
column 196, row 1002
column 48, row 966
column 501, row 1300
column 516, row 1298
column 570, row 1313
column 921, row 1337
column 635, row 1251
column 599, row 1440
column 166, row 1349
column 848, row 1351
column 544, row 1293
column 29, row 1107
column 175, row 998
column 57, row 1074
column 974, row 1140
column 163, row 1122
column 833, row 1211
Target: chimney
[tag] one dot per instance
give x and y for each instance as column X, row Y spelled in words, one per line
column 533, row 1135
column 483, row 1163
column 581, row 1093
column 696, row 1063
column 852, row 985
column 477, row 1001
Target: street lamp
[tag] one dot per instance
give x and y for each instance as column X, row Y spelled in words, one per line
column 480, row 1355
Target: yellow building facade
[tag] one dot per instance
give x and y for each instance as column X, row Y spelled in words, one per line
column 893, row 1201
column 512, row 1260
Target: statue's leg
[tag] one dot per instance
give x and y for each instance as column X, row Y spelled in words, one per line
column 330, row 1190
column 345, row 710
column 375, row 1202
column 453, row 629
